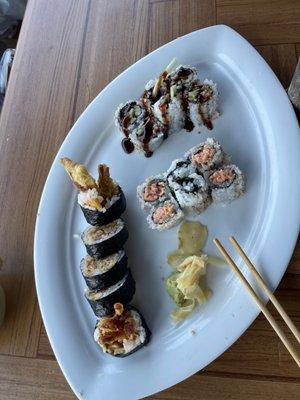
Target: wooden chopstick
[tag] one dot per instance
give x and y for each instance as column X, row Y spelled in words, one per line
column 265, row 288
column 260, row 304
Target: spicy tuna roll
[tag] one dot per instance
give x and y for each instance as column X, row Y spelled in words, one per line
column 104, row 272
column 102, row 300
column 102, row 201
column 122, row 333
column 226, row 183
column 203, row 103
column 153, row 191
column 102, row 241
column 165, row 215
column 207, row 155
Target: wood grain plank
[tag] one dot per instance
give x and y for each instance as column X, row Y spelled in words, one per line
column 164, row 23
column 218, row 387
column 44, row 77
column 294, row 265
column 44, row 347
column 123, row 28
column 291, row 281
column 282, row 59
column 28, row 379
column 168, row 20
column 298, row 49
column 262, row 21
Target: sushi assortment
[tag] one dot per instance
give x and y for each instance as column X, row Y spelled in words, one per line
column 176, row 100
column 120, row 329
column 204, row 175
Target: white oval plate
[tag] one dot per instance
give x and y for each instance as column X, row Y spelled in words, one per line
column 259, row 129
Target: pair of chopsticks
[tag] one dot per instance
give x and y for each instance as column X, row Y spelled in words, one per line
column 258, row 301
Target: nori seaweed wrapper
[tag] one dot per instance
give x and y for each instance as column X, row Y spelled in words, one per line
column 124, row 294
column 108, row 278
column 108, row 246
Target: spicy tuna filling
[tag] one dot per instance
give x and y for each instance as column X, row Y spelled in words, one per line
column 164, row 213
column 120, row 333
column 154, row 191
column 222, row 175
column 205, row 155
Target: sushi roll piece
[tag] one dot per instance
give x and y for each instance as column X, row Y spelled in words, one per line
column 172, row 108
column 189, row 188
column 104, row 272
column 102, row 241
column 179, row 169
column 102, row 300
column 122, row 333
column 165, row 215
column 112, row 209
column 131, row 118
column 148, row 140
column 207, row 156
column 153, row 191
column 101, row 202
column 227, row 183
column 154, row 89
column 170, row 113
column 181, row 81
column 141, row 130
column 203, row 103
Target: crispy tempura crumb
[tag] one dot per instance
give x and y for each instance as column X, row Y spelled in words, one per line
column 78, row 174
column 107, row 187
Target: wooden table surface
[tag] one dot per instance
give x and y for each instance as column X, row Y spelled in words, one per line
column 67, row 52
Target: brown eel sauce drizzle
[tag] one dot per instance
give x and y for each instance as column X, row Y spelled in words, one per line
column 126, row 143
column 206, row 122
column 188, row 124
